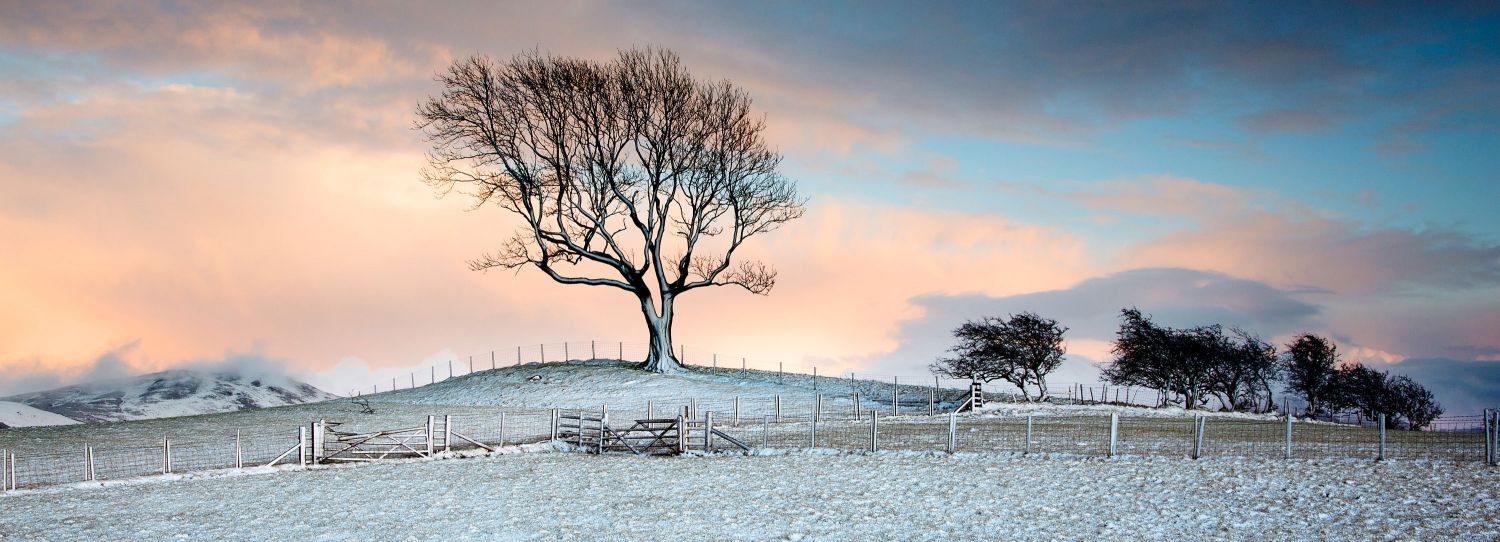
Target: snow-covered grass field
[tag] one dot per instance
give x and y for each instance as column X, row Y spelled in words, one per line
column 797, row 496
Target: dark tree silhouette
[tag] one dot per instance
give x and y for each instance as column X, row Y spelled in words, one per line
column 1021, row 350
column 1244, row 369
column 1413, row 402
column 1309, row 365
column 628, row 174
column 1178, row 363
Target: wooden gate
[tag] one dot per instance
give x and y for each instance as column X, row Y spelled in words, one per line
column 591, row 432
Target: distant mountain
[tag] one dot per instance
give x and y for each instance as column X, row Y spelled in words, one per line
column 180, row 392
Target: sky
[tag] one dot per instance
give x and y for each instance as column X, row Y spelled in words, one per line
column 182, row 184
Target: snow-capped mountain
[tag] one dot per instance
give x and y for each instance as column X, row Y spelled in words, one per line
column 179, row 392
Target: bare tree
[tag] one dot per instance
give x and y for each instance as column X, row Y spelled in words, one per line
column 628, row 174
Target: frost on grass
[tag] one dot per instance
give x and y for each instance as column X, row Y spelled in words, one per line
column 798, row 496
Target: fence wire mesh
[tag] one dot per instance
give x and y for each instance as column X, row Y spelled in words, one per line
column 840, row 421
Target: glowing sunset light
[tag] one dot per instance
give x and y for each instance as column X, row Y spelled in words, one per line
column 181, row 184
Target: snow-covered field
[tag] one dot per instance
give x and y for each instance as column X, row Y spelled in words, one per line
column 800, row 496
column 14, row 414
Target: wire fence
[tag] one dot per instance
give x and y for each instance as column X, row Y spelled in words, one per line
column 848, row 422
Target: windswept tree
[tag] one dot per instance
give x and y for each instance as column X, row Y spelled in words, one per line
column 1413, row 402
column 1021, row 350
column 1310, row 363
column 1245, row 368
column 1178, row 363
column 627, row 174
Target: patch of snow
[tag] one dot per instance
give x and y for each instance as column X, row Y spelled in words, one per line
column 13, row 414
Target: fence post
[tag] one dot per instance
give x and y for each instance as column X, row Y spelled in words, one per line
column 447, row 432
column 554, row 424
column 874, row 431
column 1489, row 436
column 593, row 350
column 166, row 456
column 650, row 408
column 708, row 431
column 10, row 469
column 1028, row 435
column 895, row 394
column 1198, row 427
column 778, row 408
column 817, row 409
column 1494, row 440
column 931, row 400
column 779, row 373
column 431, row 429
column 1286, row 452
column 682, row 434
column 86, row 466
column 1380, row 453
column 492, row 360
column 4, row 470
column 736, row 411
column 693, row 408
column 239, row 451
column 716, row 361
column 1114, row 432
column 603, row 423
column 952, row 432
column 743, row 366
column 566, row 356
column 302, row 446
column 856, row 406
column 765, row 431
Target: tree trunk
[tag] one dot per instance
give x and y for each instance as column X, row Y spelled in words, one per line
column 660, row 358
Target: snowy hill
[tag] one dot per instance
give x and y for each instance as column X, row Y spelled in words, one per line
column 170, row 393
column 20, row 415
column 588, row 383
